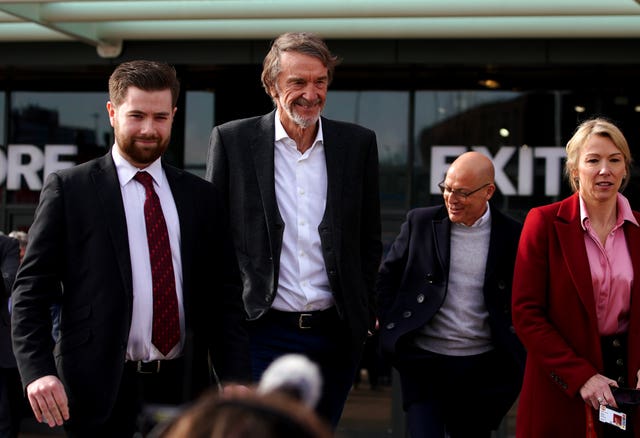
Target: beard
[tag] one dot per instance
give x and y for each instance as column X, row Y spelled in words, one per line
column 141, row 155
column 300, row 120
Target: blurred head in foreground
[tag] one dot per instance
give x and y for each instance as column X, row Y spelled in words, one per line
column 248, row 416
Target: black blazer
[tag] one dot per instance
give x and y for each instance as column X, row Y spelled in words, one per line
column 412, row 282
column 78, row 256
column 9, row 261
column 241, row 165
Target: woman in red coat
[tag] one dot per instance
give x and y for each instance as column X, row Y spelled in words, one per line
column 576, row 294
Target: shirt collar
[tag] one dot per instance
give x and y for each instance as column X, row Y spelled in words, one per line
column 281, row 134
column 624, row 212
column 126, row 171
column 482, row 220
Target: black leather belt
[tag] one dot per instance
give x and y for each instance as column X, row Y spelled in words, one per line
column 303, row 320
column 152, row 367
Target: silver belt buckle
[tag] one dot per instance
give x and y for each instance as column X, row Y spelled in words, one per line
column 145, row 370
column 302, row 321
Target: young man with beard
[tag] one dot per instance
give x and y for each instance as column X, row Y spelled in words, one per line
column 302, row 195
column 136, row 254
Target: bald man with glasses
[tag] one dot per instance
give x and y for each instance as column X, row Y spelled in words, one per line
column 444, row 300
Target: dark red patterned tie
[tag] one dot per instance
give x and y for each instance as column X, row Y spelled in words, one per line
column 166, row 324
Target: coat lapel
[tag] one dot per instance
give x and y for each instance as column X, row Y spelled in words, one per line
column 571, row 241
column 496, row 242
column 107, row 190
column 441, row 239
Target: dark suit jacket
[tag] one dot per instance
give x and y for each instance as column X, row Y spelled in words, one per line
column 79, row 240
column 9, row 261
column 413, row 280
column 241, row 164
column 555, row 316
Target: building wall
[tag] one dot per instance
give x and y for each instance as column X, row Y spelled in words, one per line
column 427, row 100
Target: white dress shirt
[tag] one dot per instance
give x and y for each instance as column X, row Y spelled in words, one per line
column 139, row 346
column 301, row 193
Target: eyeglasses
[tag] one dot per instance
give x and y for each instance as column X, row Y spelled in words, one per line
column 459, row 193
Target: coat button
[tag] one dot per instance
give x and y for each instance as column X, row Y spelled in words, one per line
column 501, row 285
column 619, row 362
column 430, row 278
column 390, row 325
column 420, row 298
column 406, row 314
column 616, row 342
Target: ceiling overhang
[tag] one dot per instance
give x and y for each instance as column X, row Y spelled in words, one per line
column 106, row 24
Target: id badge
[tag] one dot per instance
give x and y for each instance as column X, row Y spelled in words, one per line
column 613, row 417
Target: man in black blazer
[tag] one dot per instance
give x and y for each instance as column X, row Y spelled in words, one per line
column 11, row 400
column 302, row 195
column 88, row 253
column 445, row 308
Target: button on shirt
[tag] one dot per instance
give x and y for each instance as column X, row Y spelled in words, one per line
column 301, row 193
column 139, row 346
column 611, row 270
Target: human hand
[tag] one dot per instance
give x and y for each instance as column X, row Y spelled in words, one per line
column 48, row 400
column 597, row 391
column 638, row 379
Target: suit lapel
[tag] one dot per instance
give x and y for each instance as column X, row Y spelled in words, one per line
column 186, row 208
column 107, row 190
column 335, row 157
column 262, row 151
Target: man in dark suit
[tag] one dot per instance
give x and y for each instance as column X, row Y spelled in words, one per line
column 444, row 299
column 302, row 194
column 11, row 400
column 143, row 307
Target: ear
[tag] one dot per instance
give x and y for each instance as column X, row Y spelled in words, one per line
column 111, row 110
column 490, row 191
column 574, row 174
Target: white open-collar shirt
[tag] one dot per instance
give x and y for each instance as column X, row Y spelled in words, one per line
column 301, row 193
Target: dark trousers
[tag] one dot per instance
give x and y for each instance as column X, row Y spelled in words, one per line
column 136, row 391
column 614, row 358
column 326, row 342
column 464, row 396
column 13, row 404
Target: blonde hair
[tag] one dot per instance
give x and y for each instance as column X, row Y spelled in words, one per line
column 601, row 127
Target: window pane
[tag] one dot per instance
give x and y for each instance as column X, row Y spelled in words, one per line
column 386, row 113
column 200, row 118
column 517, row 129
column 49, row 131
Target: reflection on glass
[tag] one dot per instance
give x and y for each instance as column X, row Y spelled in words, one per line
column 386, row 113
column 78, row 118
column 498, row 123
column 199, row 120
column 50, row 131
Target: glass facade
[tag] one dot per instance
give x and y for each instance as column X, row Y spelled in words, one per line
column 419, row 132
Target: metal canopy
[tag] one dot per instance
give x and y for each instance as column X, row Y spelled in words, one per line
column 106, row 24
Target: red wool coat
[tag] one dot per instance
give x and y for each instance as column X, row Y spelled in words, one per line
column 554, row 316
